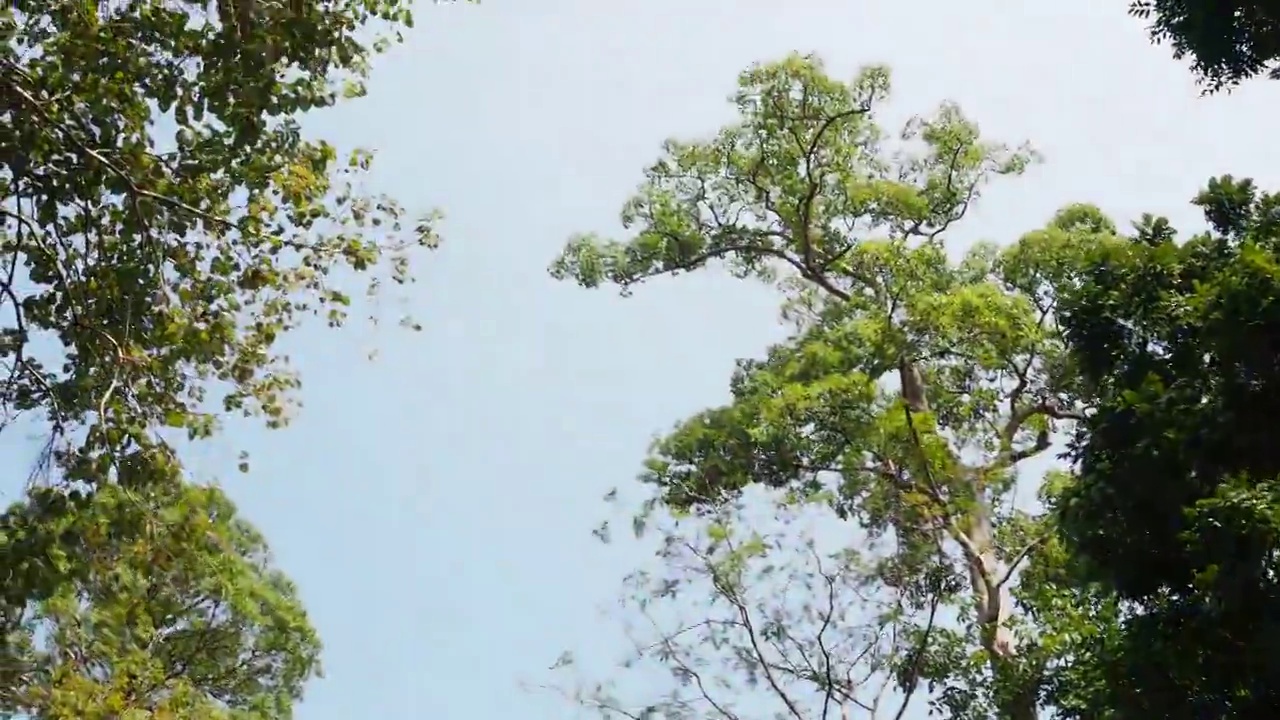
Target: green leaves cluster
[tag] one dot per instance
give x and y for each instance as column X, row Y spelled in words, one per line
column 840, row 544
column 1176, row 507
column 155, row 605
column 806, row 191
column 792, row 182
column 166, row 273
column 1227, row 43
column 165, row 224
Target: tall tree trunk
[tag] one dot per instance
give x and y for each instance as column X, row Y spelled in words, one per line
column 993, row 605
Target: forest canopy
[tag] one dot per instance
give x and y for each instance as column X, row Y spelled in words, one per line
column 1026, row 479
column 1227, row 42
column 165, row 225
column 922, row 388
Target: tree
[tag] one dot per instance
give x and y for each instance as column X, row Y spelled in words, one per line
column 913, row 389
column 165, row 224
column 159, row 607
column 1228, row 42
column 1176, row 507
column 158, row 277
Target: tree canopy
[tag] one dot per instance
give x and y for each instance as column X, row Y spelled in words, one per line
column 1176, row 507
column 162, row 605
column 804, row 190
column 166, row 223
column 851, row 529
column 1227, row 41
column 146, row 272
column 846, row 533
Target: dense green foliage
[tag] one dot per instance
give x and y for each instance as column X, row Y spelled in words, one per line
column 162, row 604
column 1228, row 41
column 164, row 225
column 902, row 412
column 1176, row 506
column 165, row 274
column 804, row 190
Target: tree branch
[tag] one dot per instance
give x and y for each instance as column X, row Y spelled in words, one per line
column 918, row 657
column 1010, row 456
column 744, row 614
column 1018, row 558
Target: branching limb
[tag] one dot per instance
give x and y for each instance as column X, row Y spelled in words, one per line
column 732, row 595
column 1018, row 558
column 917, row 656
column 1009, row 455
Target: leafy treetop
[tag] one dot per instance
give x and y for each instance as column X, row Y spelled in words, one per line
column 794, row 185
column 156, row 605
column 144, row 273
column 1176, row 507
column 1228, row 42
column 805, row 189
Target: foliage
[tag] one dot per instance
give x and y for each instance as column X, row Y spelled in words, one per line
column 804, row 190
column 1228, row 42
column 1176, row 507
column 141, row 280
column 784, row 622
column 165, row 224
column 156, row 605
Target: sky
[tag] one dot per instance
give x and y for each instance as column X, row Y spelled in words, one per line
column 435, row 504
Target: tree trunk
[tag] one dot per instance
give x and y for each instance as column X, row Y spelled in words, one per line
column 993, row 604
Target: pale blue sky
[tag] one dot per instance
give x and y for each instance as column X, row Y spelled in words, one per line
column 435, row 505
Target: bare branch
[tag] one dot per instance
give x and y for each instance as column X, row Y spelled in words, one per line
column 1018, row 558
column 744, row 614
column 917, row 658
column 674, row 654
column 1008, row 455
